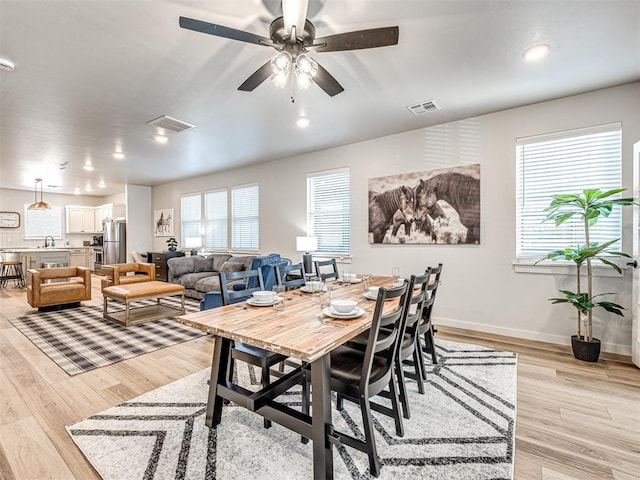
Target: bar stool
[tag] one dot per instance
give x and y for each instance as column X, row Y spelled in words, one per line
column 11, row 270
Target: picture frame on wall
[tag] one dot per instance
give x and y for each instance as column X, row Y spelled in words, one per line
column 429, row 207
column 163, row 222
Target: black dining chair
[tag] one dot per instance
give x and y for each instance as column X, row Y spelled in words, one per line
column 256, row 356
column 408, row 348
column 326, row 269
column 358, row 375
column 282, row 276
column 426, row 327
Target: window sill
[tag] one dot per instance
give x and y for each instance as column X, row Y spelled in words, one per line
column 548, row 267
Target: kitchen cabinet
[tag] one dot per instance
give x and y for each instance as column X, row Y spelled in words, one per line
column 109, row 210
column 80, row 219
column 78, row 257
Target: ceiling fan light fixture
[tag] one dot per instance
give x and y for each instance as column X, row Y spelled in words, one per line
column 38, row 205
column 281, row 63
column 306, row 64
column 303, row 80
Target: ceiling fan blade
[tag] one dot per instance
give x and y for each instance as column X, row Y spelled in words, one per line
column 256, row 78
column 372, row 38
column 221, row 31
column 326, row 82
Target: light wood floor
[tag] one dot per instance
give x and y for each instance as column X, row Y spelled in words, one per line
column 574, row 420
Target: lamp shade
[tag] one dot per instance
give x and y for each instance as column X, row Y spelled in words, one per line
column 306, row 244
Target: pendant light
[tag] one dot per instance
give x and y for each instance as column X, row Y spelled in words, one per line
column 38, row 205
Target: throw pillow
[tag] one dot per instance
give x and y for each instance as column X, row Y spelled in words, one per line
column 218, row 260
column 203, row 264
column 228, row 267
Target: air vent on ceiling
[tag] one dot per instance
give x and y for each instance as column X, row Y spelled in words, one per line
column 170, row 123
column 423, row 107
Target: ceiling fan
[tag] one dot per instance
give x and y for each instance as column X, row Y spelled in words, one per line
column 293, row 36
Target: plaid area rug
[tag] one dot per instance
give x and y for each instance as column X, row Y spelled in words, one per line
column 462, row 428
column 79, row 339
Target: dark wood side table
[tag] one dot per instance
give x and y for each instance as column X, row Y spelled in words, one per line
column 160, row 259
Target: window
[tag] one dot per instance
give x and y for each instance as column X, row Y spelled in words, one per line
column 245, row 215
column 40, row 223
column 190, row 209
column 329, row 210
column 565, row 162
column 216, row 232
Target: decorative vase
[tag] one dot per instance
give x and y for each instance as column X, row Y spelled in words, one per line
column 587, row 351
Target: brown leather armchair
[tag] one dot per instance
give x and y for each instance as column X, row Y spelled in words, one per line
column 75, row 288
column 117, row 273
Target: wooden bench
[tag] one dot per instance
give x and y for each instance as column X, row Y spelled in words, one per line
column 142, row 291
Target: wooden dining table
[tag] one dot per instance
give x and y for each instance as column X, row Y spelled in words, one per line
column 300, row 331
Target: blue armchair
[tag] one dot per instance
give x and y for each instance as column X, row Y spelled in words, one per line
column 266, row 263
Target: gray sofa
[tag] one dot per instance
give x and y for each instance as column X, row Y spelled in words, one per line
column 199, row 274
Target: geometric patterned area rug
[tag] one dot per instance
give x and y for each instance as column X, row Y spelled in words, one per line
column 462, row 428
column 79, row 339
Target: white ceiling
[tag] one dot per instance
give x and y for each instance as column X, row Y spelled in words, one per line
column 90, row 74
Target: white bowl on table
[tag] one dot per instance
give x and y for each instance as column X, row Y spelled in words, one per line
column 314, row 285
column 263, row 296
column 343, row 306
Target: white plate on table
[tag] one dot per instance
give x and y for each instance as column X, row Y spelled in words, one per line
column 252, row 301
column 307, row 289
column 353, row 280
column 373, row 296
column 370, row 295
column 330, row 312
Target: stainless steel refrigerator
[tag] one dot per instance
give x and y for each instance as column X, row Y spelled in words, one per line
column 114, row 241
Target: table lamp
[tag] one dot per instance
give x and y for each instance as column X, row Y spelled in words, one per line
column 307, row 245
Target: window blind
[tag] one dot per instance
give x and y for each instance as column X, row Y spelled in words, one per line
column 190, row 216
column 216, row 232
column 329, row 210
column 565, row 162
column 245, row 211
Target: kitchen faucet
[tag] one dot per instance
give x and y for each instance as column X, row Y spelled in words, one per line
column 46, row 243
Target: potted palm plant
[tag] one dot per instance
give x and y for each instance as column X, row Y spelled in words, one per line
column 589, row 206
column 172, row 244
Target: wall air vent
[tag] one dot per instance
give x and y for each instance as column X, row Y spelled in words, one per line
column 169, row 123
column 423, row 107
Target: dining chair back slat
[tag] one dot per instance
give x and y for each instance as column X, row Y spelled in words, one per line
column 283, row 271
column 232, row 295
column 326, row 269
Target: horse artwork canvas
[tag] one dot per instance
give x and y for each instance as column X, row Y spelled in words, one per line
column 429, row 207
column 163, row 222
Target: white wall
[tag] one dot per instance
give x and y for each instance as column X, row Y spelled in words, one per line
column 480, row 289
column 13, row 201
column 139, row 219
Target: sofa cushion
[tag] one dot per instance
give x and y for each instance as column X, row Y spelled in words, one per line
column 245, row 260
column 208, row 284
column 218, row 260
column 189, row 280
column 181, row 265
column 202, row 264
column 228, row 267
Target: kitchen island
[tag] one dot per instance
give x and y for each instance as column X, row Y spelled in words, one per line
column 38, row 257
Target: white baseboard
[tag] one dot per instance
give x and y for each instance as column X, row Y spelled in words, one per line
column 526, row 334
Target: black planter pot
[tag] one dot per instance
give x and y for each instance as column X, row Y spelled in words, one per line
column 585, row 351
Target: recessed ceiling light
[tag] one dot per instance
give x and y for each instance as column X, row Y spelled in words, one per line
column 7, row 65
column 88, row 167
column 118, row 155
column 161, row 139
column 302, row 122
column 77, row 191
column 536, row 52
column 101, row 184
